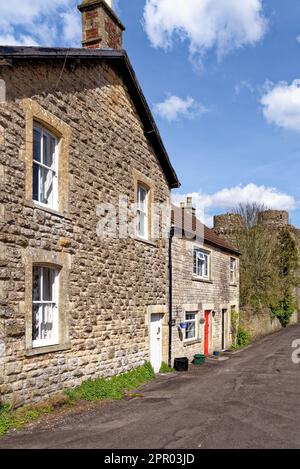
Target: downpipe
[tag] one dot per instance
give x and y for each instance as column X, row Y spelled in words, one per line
column 172, row 230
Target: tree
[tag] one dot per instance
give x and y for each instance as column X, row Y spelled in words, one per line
column 288, row 271
column 258, row 272
column 269, row 265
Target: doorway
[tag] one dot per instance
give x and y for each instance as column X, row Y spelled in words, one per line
column 156, row 341
column 206, row 332
column 224, row 314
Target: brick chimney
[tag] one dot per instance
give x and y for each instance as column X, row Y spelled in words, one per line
column 189, row 220
column 101, row 28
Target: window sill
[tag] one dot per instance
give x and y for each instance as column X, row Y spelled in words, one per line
column 202, row 280
column 48, row 349
column 36, row 205
column 192, row 342
column 145, row 241
column 233, row 284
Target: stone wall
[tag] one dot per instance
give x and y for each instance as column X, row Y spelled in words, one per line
column 193, row 294
column 109, row 284
column 260, row 323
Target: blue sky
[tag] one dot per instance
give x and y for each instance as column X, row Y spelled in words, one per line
column 219, row 76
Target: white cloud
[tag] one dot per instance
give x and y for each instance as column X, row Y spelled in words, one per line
column 223, row 25
column 32, row 22
column 174, row 107
column 229, row 198
column 23, row 40
column 72, row 29
column 298, row 38
column 281, row 105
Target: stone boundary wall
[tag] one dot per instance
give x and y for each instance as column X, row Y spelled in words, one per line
column 260, row 324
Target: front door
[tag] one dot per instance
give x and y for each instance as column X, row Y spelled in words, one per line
column 223, row 329
column 155, row 342
column 206, row 333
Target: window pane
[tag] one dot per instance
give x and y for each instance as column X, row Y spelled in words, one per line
column 36, row 145
column 141, row 224
column 142, row 199
column 35, row 322
column 42, row 322
column 47, row 323
column 48, row 150
column 48, row 284
column 35, row 181
column 200, row 266
column 46, row 186
column 36, row 284
column 190, row 316
column 206, row 266
column 191, row 331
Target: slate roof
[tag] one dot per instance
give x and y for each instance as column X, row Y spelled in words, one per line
column 184, row 221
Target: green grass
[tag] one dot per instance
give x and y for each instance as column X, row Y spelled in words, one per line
column 10, row 418
column 113, row 388
column 166, row 368
column 91, row 390
column 243, row 338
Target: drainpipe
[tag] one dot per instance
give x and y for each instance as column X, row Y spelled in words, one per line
column 170, row 295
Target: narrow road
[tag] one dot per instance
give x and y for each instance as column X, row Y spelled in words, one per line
column 249, row 401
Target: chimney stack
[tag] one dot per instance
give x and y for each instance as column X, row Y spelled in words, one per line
column 189, row 206
column 101, row 28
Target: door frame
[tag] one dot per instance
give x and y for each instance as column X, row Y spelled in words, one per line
column 207, row 331
column 154, row 342
column 224, row 313
column 163, row 311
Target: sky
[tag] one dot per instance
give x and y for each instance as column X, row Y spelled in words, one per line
column 221, row 79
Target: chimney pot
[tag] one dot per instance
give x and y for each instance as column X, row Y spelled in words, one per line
column 101, row 28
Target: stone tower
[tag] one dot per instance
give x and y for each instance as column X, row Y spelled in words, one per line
column 274, row 218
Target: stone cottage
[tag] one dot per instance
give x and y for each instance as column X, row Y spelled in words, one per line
column 205, row 286
column 77, row 135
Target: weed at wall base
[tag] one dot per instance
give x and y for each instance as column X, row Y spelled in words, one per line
column 91, row 390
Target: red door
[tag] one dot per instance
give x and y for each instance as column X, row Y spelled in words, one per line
column 206, row 333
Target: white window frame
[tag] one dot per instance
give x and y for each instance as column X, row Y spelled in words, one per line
column 206, row 258
column 55, row 309
column 191, row 321
column 233, row 270
column 140, row 211
column 43, row 131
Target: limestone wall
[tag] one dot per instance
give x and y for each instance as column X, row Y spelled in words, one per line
column 108, row 283
column 260, row 324
column 193, row 294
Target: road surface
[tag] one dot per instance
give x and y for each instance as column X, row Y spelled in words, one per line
column 250, row 400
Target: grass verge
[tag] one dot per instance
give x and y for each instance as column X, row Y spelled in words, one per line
column 166, row 368
column 113, row 388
